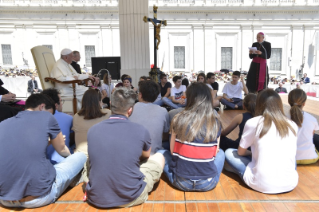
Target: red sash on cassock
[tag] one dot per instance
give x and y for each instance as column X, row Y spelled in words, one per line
column 262, row 71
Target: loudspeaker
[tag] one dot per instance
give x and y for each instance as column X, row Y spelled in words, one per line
column 112, row 64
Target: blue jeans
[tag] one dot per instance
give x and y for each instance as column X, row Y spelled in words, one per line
column 236, row 101
column 236, row 162
column 169, row 102
column 65, row 173
column 189, row 184
column 158, row 102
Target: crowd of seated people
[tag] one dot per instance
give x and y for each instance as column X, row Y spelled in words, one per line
column 13, row 72
column 293, row 81
column 119, row 153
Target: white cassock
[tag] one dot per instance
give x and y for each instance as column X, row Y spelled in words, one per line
column 63, row 71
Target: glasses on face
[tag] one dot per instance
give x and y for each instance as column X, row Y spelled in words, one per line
column 62, row 101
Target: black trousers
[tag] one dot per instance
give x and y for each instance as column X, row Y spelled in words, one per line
column 7, row 111
column 106, row 100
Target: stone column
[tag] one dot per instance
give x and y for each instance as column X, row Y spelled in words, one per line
column 134, row 38
column 297, row 42
column 247, row 40
column 199, row 48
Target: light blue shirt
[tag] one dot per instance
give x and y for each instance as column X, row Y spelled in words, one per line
column 65, row 122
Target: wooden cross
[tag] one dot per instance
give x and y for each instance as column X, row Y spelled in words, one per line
column 157, row 30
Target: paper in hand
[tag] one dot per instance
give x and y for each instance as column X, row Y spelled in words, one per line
column 253, row 49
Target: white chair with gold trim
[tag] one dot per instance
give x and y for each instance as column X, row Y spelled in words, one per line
column 44, row 61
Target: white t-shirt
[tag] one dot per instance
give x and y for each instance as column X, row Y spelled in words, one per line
column 178, row 93
column 209, row 86
column 233, row 91
column 273, row 166
column 305, row 147
column 107, row 88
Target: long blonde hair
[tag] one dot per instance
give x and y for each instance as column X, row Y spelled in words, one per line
column 269, row 105
column 198, row 120
column 296, row 99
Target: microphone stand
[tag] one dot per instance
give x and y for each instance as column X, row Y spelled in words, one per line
column 266, row 65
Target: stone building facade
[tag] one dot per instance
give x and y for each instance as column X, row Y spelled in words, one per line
column 205, row 35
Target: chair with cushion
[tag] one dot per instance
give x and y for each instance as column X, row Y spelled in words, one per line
column 44, row 61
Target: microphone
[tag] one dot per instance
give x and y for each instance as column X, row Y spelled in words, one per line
column 264, row 49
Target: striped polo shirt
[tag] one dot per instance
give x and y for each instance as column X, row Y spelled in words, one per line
column 194, row 160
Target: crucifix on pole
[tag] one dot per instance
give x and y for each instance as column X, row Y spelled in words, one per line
column 155, row 72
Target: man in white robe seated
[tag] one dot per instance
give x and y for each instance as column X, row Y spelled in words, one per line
column 63, row 71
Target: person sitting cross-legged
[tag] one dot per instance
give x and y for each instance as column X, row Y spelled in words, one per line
column 121, row 83
column 240, row 121
column 153, row 117
column 107, row 88
column 122, row 171
column 65, row 123
column 211, row 80
column 177, row 98
column 195, row 161
column 127, row 83
column 232, row 92
column 307, row 125
column 28, row 179
column 270, row 166
column 202, row 78
column 89, row 115
column 165, row 89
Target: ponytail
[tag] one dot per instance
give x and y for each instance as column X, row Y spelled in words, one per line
column 296, row 99
column 296, row 115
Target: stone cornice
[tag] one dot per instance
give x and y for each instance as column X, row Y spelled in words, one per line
column 164, row 10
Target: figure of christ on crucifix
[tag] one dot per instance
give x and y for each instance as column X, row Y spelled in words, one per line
column 158, row 31
column 155, row 72
column 157, row 26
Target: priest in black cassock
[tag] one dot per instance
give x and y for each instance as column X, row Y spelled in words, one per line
column 258, row 77
column 76, row 59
